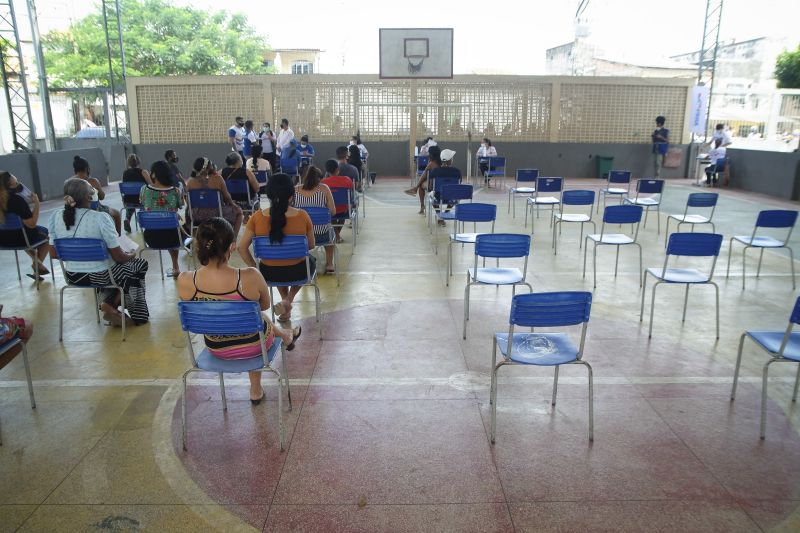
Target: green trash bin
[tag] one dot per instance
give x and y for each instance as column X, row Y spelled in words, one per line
column 604, row 165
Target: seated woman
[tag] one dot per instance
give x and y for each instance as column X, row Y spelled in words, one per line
column 354, row 159
column 486, row 150
column 276, row 222
column 257, row 162
column 133, row 174
column 216, row 279
column 162, row 195
column 313, row 193
column 76, row 219
column 235, row 171
column 205, row 176
column 12, row 202
column 81, row 168
column 434, row 161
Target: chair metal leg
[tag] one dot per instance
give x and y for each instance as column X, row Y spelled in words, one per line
column 652, row 310
column 658, row 219
column 791, row 263
column 760, row 258
column 744, row 264
column 281, row 428
column 716, row 290
column 584, row 259
column 666, row 232
column 97, row 307
column 764, row 381
column 183, row 409
column 685, row 303
column 555, row 386
column 493, row 393
column 738, row 364
column 616, row 262
column 222, row 391
column 449, row 263
column 591, row 400
column 644, row 291
column 161, row 264
column 730, row 253
column 61, row 315
column 16, row 258
column 640, row 263
column 594, row 264
column 36, row 268
column 285, row 376
column 466, row 307
column 28, row 374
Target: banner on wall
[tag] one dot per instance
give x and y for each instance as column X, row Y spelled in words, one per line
column 700, row 95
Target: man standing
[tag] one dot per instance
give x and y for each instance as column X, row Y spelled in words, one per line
column 236, row 136
column 660, row 145
column 171, row 157
column 285, row 137
column 722, row 135
column 250, row 138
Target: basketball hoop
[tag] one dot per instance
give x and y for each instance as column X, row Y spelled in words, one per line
column 415, row 64
column 415, row 51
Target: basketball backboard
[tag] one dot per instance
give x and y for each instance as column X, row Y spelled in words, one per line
column 416, row 53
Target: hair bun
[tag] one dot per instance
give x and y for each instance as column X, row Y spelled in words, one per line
column 76, row 158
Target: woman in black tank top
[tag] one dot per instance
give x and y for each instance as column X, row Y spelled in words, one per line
column 133, row 174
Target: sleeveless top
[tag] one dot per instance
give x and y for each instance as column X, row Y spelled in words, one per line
column 232, row 346
column 132, row 175
column 315, row 200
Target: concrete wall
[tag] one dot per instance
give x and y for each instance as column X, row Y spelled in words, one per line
column 772, row 173
column 45, row 172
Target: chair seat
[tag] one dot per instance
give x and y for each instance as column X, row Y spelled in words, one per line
column 522, row 190
column 23, row 247
column 572, row 217
column 490, row 173
column 541, row 349
column 210, row 363
column 446, row 215
column 611, row 238
column 549, row 200
column 468, row 238
column 295, row 283
column 679, row 275
column 771, row 342
column 691, row 219
column 496, row 276
column 643, row 201
column 614, row 190
column 759, row 242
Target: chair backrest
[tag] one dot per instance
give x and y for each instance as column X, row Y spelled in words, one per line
column 776, row 218
column 199, row 198
column 702, row 199
column 342, row 196
column 220, row 317
column 694, row 244
column 261, row 176
column 476, row 212
column 238, row 188
column 158, row 220
column 526, row 174
column 577, row 197
column 439, row 177
column 496, row 164
column 289, row 166
column 794, row 318
column 292, row 247
column 320, row 216
column 422, row 162
column 12, row 222
column 80, row 249
column 551, row 185
column 619, row 176
column 622, row 214
column 130, row 188
column 452, row 193
column 550, row 309
column 502, row 245
column 649, row 186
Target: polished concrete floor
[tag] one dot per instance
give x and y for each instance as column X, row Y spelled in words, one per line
column 389, row 430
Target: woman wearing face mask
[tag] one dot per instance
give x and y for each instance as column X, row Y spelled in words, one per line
column 268, row 141
column 81, row 168
column 486, row 150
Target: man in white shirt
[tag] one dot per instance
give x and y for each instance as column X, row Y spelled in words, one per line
column 236, row 136
column 721, row 133
column 285, row 137
column 717, row 157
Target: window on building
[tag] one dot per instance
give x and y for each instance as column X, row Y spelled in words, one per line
column 267, row 63
column 302, row 67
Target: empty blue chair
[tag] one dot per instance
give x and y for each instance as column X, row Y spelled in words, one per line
column 618, row 183
column 451, row 195
column 289, row 166
column 573, row 198
column 4, row 348
column 200, row 198
column 468, row 212
column 522, row 175
column 130, row 189
column 497, row 246
column 769, row 219
column 543, row 310
column 321, row 216
column 548, row 192
column 782, row 347
column 77, row 250
column 344, row 196
column 684, row 244
column 230, row 318
column 14, row 223
column 262, row 178
column 240, row 193
column 292, row 247
column 160, row 220
column 495, row 169
column 615, row 214
column 648, row 194
column 702, row 201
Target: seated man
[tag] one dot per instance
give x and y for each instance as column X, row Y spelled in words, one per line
column 717, row 157
column 336, row 180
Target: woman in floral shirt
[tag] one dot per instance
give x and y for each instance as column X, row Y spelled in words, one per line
column 163, row 195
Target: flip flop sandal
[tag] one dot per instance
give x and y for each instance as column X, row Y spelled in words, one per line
column 296, row 332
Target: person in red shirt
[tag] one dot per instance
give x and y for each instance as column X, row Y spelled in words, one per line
column 336, row 180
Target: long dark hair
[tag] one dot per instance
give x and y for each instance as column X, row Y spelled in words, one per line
column 255, row 153
column 311, row 178
column 280, row 191
column 435, row 154
column 5, row 192
column 213, row 240
column 162, row 173
column 79, row 164
column 355, row 156
column 202, row 165
column 75, row 192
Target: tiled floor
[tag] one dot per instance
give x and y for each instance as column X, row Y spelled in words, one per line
column 389, row 430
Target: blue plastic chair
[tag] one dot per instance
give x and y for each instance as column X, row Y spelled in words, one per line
column 771, row 219
column 131, row 188
column 240, row 192
column 496, row 168
column 615, row 214
column 439, row 178
column 497, row 245
column 230, row 318
column 618, row 183
column 717, row 168
column 13, row 222
column 573, row 198
column 159, row 220
column 451, row 195
column 684, row 244
column 468, row 212
column 262, row 178
column 5, row 347
column 783, row 347
column 653, row 189
column 697, row 200
column 344, row 196
column 289, row 166
column 292, row 247
column 200, row 198
column 522, row 175
column 543, row 310
column 546, row 190
column 321, row 216
column 78, row 250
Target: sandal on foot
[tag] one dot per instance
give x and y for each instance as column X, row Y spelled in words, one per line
column 296, row 332
column 330, row 270
column 258, row 401
column 115, row 319
column 410, row 192
column 172, row 273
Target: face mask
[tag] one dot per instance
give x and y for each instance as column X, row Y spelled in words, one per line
column 95, row 197
column 302, row 145
column 352, row 143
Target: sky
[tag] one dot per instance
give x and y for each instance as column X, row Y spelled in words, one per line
column 498, row 36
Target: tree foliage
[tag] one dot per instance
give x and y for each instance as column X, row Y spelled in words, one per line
column 159, row 39
column 787, row 69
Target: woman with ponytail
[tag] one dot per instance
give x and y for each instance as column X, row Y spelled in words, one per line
column 77, row 220
column 81, row 168
column 276, row 222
